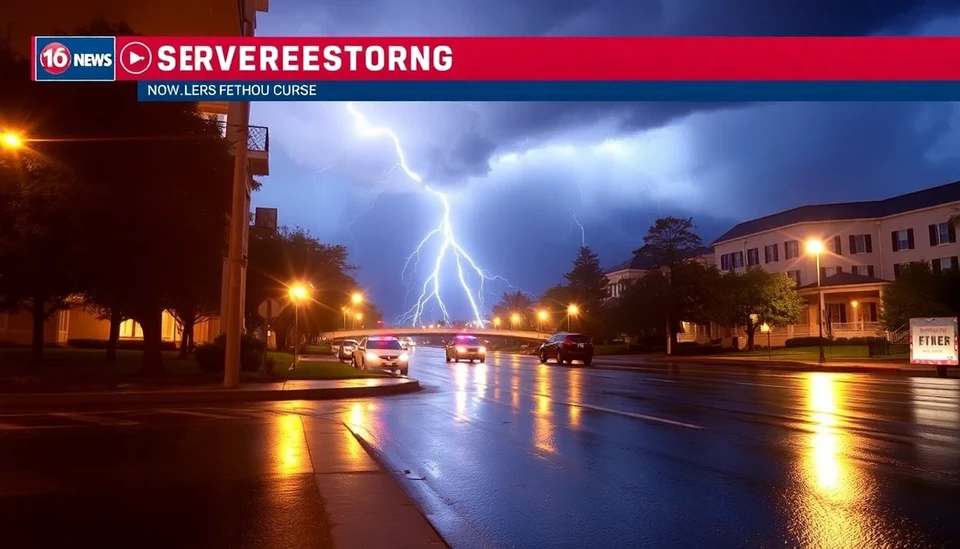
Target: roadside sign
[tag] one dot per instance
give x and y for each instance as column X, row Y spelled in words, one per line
column 933, row 341
column 269, row 308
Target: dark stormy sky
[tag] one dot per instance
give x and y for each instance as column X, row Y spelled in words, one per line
column 515, row 173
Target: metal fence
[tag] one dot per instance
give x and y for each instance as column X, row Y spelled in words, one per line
column 258, row 137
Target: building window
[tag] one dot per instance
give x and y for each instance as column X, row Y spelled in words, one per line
column 131, row 329
column 794, row 276
column 791, row 249
column 944, row 264
column 829, row 271
column 902, row 240
column 753, row 257
column 836, row 312
column 861, row 244
column 771, row 253
column 942, row 233
column 733, row 260
column 833, row 245
column 897, row 267
column 864, row 270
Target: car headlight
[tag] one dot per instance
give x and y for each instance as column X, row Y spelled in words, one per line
column 404, row 357
column 461, row 349
column 372, row 356
column 483, row 350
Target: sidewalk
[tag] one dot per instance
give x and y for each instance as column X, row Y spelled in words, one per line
column 365, row 505
column 627, row 362
column 215, row 393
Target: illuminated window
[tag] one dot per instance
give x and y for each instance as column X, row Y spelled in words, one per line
column 130, row 329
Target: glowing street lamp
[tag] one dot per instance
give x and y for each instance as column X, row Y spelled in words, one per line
column 572, row 310
column 356, row 298
column 815, row 247
column 496, row 322
column 514, row 319
column 297, row 293
column 345, row 312
column 358, row 318
column 9, row 140
column 541, row 318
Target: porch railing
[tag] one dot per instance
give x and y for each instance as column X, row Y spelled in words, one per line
column 847, row 327
column 258, row 137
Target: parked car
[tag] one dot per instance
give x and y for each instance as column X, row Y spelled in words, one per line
column 466, row 347
column 567, row 347
column 345, row 350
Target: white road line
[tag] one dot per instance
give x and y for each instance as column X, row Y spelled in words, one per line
column 110, row 421
column 633, row 415
column 198, row 414
column 761, row 385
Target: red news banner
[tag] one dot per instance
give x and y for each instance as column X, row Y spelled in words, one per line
column 538, row 59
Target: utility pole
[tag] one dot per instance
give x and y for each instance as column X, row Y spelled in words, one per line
column 239, row 220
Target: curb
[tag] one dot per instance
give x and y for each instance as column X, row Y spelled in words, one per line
column 14, row 400
column 762, row 365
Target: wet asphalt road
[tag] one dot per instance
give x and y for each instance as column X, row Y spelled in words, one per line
column 516, row 454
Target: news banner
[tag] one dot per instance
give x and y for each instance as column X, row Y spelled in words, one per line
column 509, row 69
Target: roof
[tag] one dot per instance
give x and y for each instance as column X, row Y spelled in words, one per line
column 844, row 279
column 645, row 263
column 873, row 209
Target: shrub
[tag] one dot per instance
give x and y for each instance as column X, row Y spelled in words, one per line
column 840, row 341
column 211, row 357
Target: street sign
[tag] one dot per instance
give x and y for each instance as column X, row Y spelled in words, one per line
column 933, row 341
column 269, row 308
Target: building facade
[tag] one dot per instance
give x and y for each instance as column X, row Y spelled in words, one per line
column 217, row 18
column 864, row 246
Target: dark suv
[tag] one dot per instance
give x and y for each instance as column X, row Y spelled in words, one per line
column 567, row 347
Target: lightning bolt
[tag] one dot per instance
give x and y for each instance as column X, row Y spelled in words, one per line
column 443, row 231
column 583, row 233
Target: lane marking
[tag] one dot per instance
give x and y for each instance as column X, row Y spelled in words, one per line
column 98, row 420
column 633, row 415
column 196, row 414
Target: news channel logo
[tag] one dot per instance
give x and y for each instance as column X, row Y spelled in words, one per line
column 74, row 58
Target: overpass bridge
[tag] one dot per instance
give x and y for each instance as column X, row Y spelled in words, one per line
column 414, row 332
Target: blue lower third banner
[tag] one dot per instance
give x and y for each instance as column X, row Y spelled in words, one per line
column 548, row 91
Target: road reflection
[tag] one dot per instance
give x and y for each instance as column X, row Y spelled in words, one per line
column 832, row 502
column 461, row 378
column 543, row 428
column 936, row 410
column 574, row 395
column 289, row 444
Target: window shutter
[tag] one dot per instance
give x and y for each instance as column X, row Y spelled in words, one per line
column 955, row 262
column 836, row 245
column 843, row 312
column 952, row 232
column 868, row 243
column 839, row 269
column 937, row 266
column 869, row 270
column 823, row 272
column 895, row 240
column 853, row 244
column 776, row 252
column 933, row 234
column 873, row 311
column 896, row 270
column 911, row 244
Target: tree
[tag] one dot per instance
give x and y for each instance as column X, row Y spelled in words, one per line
column 586, row 281
column 515, row 303
column 671, row 243
column 919, row 292
column 555, row 301
column 657, row 300
column 758, row 297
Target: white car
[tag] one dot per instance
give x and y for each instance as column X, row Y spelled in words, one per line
column 345, row 350
column 381, row 353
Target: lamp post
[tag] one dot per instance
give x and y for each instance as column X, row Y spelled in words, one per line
column 496, row 322
column 514, row 320
column 358, row 318
column 345, row 312
column 572, row 310
column 10, row 140
column 541, row 318
column 765, row 329
column 297, row 293
column 856, row 317
column 815, row 247
column 356, row 298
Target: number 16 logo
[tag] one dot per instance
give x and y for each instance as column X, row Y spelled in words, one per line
column 55, row 58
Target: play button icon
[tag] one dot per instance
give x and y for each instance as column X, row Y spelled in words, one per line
column 135, row 58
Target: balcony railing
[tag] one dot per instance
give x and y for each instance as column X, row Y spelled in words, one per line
column 258, row 137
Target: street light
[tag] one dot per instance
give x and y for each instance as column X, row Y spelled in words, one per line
column 297, row 293
column 765, row 329
column 345, row 312
column 572, row 310
column 514, row 320
column 496, row 322
column 359, row 318
column 541, row 318
column 356, row 298
column 10, row 140
column 815, row 247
